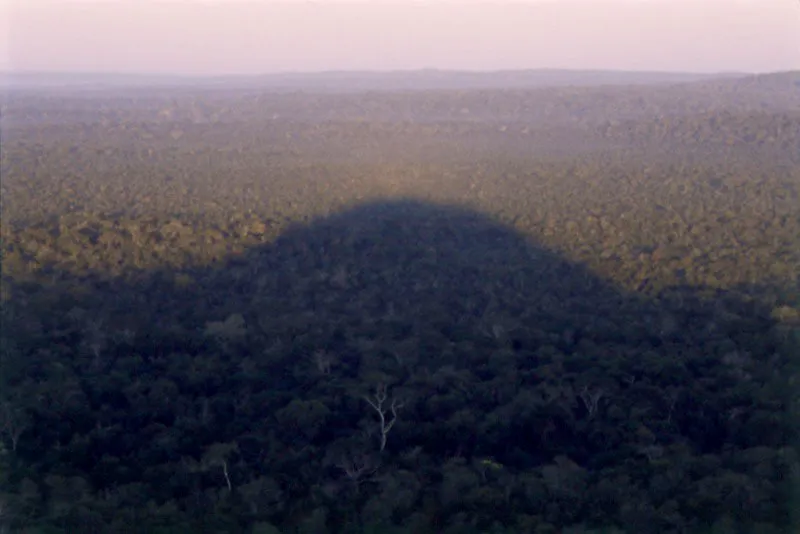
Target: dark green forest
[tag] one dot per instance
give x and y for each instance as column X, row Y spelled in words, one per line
column 551, row 310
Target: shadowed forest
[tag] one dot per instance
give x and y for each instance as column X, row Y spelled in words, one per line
column 563, row 308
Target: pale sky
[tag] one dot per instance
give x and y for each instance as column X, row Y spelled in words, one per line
column 238, row 37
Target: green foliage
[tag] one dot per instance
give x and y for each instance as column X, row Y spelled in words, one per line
column 568, row 340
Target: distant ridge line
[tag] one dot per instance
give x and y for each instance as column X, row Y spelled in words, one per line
column 357, row 80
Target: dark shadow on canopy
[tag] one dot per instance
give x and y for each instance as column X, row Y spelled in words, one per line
column 498, row 348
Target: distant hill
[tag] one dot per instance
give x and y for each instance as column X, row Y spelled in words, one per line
column 771, row 81
column 442, row 79
column 347, row 81
column 94, row 80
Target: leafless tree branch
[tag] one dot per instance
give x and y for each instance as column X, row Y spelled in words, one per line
column 377, row 404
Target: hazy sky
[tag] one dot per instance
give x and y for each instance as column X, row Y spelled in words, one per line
column 237, row 37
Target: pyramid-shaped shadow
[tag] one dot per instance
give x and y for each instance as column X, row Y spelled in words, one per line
column 495, row 347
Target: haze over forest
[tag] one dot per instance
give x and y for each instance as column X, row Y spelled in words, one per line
column 388, row 293
column 350, row 309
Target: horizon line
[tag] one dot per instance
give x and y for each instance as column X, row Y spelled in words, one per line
column 388, row 71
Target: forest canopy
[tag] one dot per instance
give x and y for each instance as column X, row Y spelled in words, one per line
column 544, row 310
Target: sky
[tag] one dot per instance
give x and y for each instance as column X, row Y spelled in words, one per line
column 223, row 37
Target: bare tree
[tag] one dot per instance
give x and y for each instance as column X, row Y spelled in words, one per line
column 672, row 396
column 12, row 423
column 357, row 467
column 217, row 455
column 377, row 404
column 591, row 399
column 95, row 340
column 323, row 361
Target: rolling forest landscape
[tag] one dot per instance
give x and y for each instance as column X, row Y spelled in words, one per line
column 538, row 302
